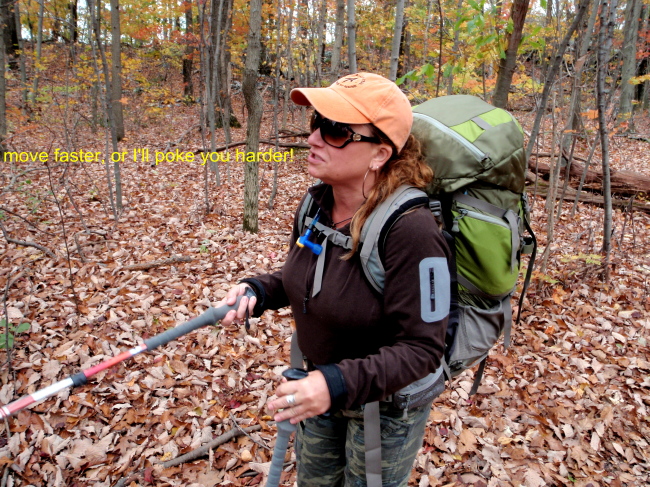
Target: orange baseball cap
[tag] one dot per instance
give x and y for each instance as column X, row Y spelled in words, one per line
column 362, row 98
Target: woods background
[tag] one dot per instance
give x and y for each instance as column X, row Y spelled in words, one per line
column 100, row 251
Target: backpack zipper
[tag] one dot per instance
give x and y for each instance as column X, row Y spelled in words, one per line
column 454, row 227
column 476, row 152
column 486, row 218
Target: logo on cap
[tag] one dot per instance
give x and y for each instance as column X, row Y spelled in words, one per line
column 351, row 81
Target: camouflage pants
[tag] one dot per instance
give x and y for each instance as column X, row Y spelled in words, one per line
column 330, row 449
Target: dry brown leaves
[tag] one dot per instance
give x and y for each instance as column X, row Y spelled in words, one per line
column 567, row 404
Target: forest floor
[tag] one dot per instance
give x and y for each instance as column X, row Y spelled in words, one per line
column 567, row 404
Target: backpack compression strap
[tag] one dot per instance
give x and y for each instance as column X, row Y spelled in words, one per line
column 529, row 270
column 372, row 443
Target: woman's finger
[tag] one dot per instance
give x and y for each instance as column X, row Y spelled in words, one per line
column 310, row 398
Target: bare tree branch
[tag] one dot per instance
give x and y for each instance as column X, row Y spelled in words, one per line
column 26, row 244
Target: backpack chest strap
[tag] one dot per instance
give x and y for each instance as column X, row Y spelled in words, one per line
column 333, row 236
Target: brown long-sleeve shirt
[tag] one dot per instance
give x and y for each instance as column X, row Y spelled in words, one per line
column 379, row 342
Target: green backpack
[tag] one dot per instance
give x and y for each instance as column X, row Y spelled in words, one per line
column 477, row 154
column 479, row 162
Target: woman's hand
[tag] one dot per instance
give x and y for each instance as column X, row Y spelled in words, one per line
column 302, row 399
column 240, row 312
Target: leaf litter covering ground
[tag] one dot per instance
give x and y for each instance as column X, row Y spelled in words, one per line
column 567, row 404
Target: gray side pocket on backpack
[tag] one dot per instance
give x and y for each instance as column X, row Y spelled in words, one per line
column 421, row 391
column 478, row 330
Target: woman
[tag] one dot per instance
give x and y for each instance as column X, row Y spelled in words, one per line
column 360, row 346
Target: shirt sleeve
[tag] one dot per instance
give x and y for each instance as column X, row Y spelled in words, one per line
column 416, row 306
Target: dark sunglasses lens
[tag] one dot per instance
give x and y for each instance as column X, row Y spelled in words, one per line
column 315, row 122
column 334, row 133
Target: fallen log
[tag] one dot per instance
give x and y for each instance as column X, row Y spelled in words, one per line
column 623, row 182
column 295, row 145
column 587, row 197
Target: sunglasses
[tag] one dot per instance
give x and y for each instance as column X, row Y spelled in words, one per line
column 337, row 134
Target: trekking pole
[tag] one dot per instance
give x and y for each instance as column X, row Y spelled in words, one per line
column 210, row 317
column 285, row 428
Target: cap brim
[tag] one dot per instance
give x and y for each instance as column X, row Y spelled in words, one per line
column 328, row 103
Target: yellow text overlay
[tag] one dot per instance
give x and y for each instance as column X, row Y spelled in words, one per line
column 145, row 155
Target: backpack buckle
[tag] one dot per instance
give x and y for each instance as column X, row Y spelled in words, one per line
column 528, row 245
column 436, row 209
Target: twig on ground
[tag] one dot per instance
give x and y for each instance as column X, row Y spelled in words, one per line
column 45, row 250
column 81, row 254
column 258, row 443
column 219, row 440
column 198, row 452
column 10, row 282
column 2, row 208
column 156, row 263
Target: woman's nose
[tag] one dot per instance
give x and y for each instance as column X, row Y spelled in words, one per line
column 315, row 138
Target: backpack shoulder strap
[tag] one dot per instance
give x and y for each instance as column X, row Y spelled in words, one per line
column 378, row 225
column 304, row 211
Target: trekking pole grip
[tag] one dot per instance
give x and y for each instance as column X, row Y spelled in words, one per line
column 285, row 428
column 210, row 317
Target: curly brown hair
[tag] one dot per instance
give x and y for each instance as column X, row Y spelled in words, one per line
column 406, row 167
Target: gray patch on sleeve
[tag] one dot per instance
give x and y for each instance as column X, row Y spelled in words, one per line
column 435, row 289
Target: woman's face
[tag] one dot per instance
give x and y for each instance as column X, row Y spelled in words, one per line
column 345, row 166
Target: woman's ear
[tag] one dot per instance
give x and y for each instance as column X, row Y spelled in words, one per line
column 382, row 153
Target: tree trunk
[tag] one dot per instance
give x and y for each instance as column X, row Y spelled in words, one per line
column 290, row 74
column 39, row 42
column 73, row 35
column 552, row 192
column 508, row 64
column 339, row 32
column 223, row 73
column 9, row 30
column 352, row 37
column 3, row 88
column 642, row 92
column 552, row 72
column 320, row 49
column 204, row 66
column 585, row 38
column 440, row 47
column 21, row 57
column 628, row 52
column 211, row 78
column 455, row 50
column 116, row 74
column 544, row 64
column 397, row 37
column 605, row 35
column 276, row 100
column 188, row 86
column 425, row 34
column 404, row 64
column 254, row 107
column 116, row 203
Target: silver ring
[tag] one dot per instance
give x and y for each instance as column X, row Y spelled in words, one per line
column 291, row 400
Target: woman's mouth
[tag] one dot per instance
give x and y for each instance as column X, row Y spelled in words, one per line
column 314, row 158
